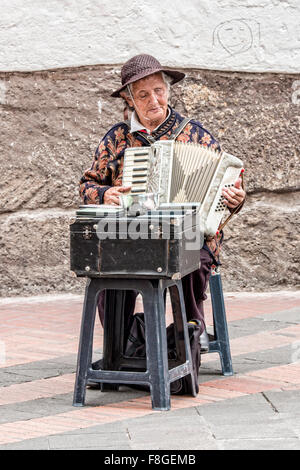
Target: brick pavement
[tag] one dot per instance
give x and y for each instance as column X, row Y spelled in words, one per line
column 39, row 340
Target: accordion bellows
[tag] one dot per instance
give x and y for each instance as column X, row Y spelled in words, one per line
column 183, row 173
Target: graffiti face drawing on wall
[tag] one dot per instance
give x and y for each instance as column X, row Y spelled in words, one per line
column 235, row 36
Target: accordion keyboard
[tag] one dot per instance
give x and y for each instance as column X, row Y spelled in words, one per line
column 135, row 172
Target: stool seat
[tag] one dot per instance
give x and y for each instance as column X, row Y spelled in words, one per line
column 156, row 371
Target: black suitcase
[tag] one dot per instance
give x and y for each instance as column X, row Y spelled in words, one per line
column 157, row 244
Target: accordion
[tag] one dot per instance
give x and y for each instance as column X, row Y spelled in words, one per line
column 183, row 173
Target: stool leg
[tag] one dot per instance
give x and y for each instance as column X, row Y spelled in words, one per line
column 156, row 345
column 113, row 333
column 84, row 360
column 182, row 339
column 221, row 343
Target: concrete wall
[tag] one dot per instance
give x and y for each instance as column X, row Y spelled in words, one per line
column 245, row 35
column 51, row 123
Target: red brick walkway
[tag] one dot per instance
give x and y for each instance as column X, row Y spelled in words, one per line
column 37, row 330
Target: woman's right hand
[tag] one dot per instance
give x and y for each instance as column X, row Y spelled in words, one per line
column 111, row 195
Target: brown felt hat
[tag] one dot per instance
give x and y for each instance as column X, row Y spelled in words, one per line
column 140, row 66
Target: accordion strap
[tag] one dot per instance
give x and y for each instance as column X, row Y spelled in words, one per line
column 173, row 136
column 179, row 129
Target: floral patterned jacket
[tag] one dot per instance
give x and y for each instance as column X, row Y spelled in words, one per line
column 107, row 166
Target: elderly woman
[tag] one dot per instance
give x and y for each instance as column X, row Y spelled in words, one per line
column 145, row 91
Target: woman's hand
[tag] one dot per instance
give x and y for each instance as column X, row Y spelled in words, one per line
column 234, row 195
column 111, row 195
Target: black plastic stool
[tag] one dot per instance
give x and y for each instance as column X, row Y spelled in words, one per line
column 220, row 341
column 156, row 370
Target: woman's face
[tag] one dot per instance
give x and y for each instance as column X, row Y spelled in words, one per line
column 150, row 99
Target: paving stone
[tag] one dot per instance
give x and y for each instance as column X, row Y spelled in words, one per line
column 37, row 370
column 62, row 441
column 260, row 444
column 181, row 415
column 171, row 444
column 294, row 422
column 285, row 402
column 54, row 405
column 29, row 444
column 171, row 433
column 255, row 325
column 246, row 403
column 248, row 417
column 106, row 429
column 152, row 433
column 13, row 414
column 246, row 362
column 9, row 378
column 44, row 406
column 106, row 448
column 98, row 398
column 284, row 316
column 173, row 437
column 266, row 429
column 223, row 413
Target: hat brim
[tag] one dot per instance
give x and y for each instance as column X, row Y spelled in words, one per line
column 174, row 74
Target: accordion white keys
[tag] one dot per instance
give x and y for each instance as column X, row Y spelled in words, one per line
column 183, row 173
